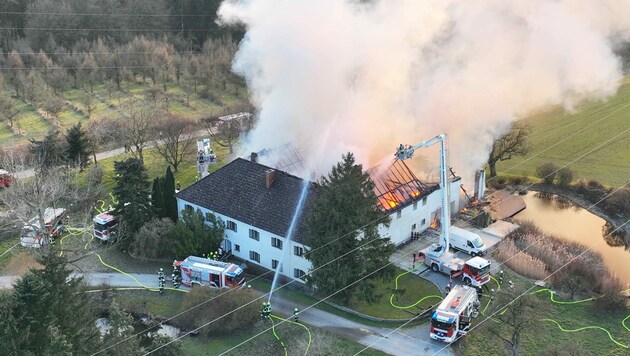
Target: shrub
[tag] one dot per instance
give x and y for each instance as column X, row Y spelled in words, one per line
column 565, row 176
column 577, row 277
column 153, row 239
column 580, row 186
column 242, row 318
column 618, row 203
column 613, row 299
column 519, row 261
column 547, row 172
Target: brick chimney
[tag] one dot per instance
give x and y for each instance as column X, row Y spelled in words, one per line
column 270, row 175
column 253, row 157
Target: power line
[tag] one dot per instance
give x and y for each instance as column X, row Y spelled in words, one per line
column 92, row 53
column 505, row 261
column 102, row 29
column 534, row 286
column 100, row 14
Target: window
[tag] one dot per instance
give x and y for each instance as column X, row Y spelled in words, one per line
column 424, row 201
column 413, row 227
column 276, row 242
column 423, row 222
column 231, row 225
column 298, row 251
column 254, row 256
column 415, row 205
column 237, row 248
column 398, row 214
column 253, row 234
column 188, row 207
column 298, row 273
column 274, row 264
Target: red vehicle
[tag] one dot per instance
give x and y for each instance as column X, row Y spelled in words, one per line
column 5, row 178
column 207, row 272
column 454, row 315
column 31, row 235
column 105, row 226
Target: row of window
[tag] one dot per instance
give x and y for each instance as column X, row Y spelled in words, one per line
column 297, row 273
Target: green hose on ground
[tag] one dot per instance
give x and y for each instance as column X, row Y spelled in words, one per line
column 391, row 298
column 273, row 329
column 310, row 337
column 586, row 328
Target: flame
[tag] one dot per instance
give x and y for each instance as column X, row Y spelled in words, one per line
column 463, row 210
column 434, row 224
column 415, row 193
column 392, row 203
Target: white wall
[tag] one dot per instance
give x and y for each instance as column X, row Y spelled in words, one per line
column 263, row 246
column 400, row 226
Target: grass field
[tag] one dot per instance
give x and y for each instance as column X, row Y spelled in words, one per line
column 544, row 334
column 32, row 125
column 595, row 129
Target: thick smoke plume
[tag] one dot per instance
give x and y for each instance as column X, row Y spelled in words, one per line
column 333, row 76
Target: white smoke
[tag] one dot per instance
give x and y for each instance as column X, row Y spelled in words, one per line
column 380, row 73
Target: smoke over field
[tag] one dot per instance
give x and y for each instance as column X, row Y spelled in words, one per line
column 364, row 76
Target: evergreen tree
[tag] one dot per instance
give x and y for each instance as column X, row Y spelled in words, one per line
column 192, row 236
column 132, row 193
column 52, row 312
column 170, row 202
column 157, row 198
column 48, row 152
column 78, row 149
column 345, row 217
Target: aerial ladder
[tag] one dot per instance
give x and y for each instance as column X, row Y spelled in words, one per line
column 476, row 270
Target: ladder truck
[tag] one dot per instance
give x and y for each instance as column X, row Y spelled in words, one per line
column 475, row 271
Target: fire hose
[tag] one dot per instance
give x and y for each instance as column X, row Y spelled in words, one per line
column 310, row 337
column 391, row 298
column 273, row 329
column 560, row 302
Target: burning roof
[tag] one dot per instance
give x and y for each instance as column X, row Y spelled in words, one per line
column 397, row 186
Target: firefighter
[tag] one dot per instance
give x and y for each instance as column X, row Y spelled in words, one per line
column 266, row 310
column 501, row 277
column 161, row 280
column 447, row 289
column 295, row 314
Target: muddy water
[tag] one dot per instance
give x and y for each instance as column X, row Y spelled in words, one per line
column 565, row 220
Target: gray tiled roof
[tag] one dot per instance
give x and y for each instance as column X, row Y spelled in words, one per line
column 238, row 190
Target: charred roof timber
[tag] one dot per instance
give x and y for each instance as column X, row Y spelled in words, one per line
column 397, row 187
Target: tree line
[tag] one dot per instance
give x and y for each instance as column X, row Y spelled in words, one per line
column 49, row 24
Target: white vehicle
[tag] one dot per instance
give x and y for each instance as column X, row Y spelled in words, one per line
column 31, row 235
column 438, row 256
column 453, row 316
column 467, row 241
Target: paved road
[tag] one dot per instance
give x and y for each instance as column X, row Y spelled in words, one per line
column 106, row 154
column 407, row 341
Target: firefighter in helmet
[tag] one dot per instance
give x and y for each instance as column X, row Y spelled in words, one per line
column 296, row 313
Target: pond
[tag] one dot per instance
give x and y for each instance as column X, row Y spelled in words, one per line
column 558, row 216
column 103, row 326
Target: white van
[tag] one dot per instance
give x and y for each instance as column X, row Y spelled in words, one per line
column 467, row 241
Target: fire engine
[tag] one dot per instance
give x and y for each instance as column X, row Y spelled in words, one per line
column 206, row 272
column 453, row 316
column 5, row 178
column 474, row 271
column 53, row 221
column 105, row 226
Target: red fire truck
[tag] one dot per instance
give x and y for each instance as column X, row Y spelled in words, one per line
column 205, row 272
column 105, row 226
column 31, row 235
column 5, row 179
column 454, row 315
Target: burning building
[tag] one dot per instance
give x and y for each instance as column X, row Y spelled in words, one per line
column 413, row 205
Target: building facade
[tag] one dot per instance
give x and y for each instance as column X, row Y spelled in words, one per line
column 257, row 204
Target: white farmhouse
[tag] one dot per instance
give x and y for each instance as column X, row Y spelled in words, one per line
column 257, row 203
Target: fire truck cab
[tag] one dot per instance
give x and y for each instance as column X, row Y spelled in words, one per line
column 5, row 178
column 206, row 272
column 31, row 235
column 454, row 315
column 475, row 271
column 105, row 226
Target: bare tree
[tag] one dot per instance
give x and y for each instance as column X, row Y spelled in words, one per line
column 8, row 108
column 513, row 143
column 515, row 312
column 28, row 198
column 89, row 102
column 139, row 125
column 176, row 137
column 224, row 131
